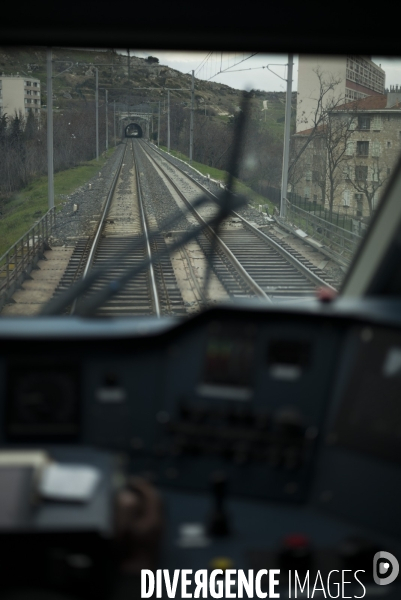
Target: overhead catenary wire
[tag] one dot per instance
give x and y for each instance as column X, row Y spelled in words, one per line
column 203, row 61
column 212, row 65
column 234, row 65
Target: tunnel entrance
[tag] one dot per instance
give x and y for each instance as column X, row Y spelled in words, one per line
column 133, row 130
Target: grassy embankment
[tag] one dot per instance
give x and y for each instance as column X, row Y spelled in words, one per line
column 28, row 205
column 253, row 197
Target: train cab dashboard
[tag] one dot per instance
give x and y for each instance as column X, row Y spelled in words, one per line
column 272, row 432
column 285, row 419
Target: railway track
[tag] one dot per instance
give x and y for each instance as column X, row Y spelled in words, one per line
column 245, row 261
column 259, row 264
column 123, row 221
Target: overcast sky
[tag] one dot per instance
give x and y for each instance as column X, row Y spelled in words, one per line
column 252, row 72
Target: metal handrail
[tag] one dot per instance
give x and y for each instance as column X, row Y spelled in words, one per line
column 22, row 254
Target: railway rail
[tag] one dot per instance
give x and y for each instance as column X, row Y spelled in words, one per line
column 154, row 291
column 263, row 266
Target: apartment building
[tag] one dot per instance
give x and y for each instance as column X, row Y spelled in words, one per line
column 19, row 95
column 364, row 137
column 356, row 77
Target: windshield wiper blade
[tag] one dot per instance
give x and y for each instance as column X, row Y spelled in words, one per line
column 226, row 201
column 88, row 306
column 233, row 170
column 58, row 304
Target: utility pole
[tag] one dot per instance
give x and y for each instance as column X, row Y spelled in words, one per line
column 168, row 120
column 191, row 124
column 97, row 113
column 107, row 124
column 129, row 80
column 50, row 180
column 115, row 142
column 287, row 127
column 158, row 129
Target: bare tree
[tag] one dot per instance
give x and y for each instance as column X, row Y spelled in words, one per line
column 368, row 181
column 338, row 131
column 325, row 101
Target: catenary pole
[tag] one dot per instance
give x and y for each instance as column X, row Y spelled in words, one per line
column 287, row 128
column 50, row 180
column 115, row 141
column 168, row 120
column 158, row 128
column 97, row 113
column 191, row 125
column 129, row 81
column 107, row 123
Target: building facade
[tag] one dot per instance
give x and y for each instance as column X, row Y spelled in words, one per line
column 362, row 139
column 19, row 95
column 356, row 77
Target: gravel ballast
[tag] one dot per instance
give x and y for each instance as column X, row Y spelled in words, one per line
column 72, row 224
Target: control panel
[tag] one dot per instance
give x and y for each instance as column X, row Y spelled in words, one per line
column 274, row 435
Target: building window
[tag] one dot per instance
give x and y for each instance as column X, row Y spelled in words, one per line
column 28, row 83
column 35, row 84
column 362, row 148
column 359, row 204
column 307, row 192
column 308, row 176
column 346, row 198
column 363, row 122
column 361, row 173
column 316, row 176
column 28, row 93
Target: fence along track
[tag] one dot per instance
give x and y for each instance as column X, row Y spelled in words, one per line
column 276, row 271
column 19, row 260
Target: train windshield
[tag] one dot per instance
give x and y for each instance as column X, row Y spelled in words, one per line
column 139, row 183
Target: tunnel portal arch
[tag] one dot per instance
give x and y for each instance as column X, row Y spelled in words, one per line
column 133, row 130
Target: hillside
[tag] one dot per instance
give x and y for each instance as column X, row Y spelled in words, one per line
column 74, row 82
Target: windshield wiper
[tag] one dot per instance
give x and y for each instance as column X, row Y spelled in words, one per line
column 58, row 304
column 226, row 202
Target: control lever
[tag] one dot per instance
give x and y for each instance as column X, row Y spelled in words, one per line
column 218, row 521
